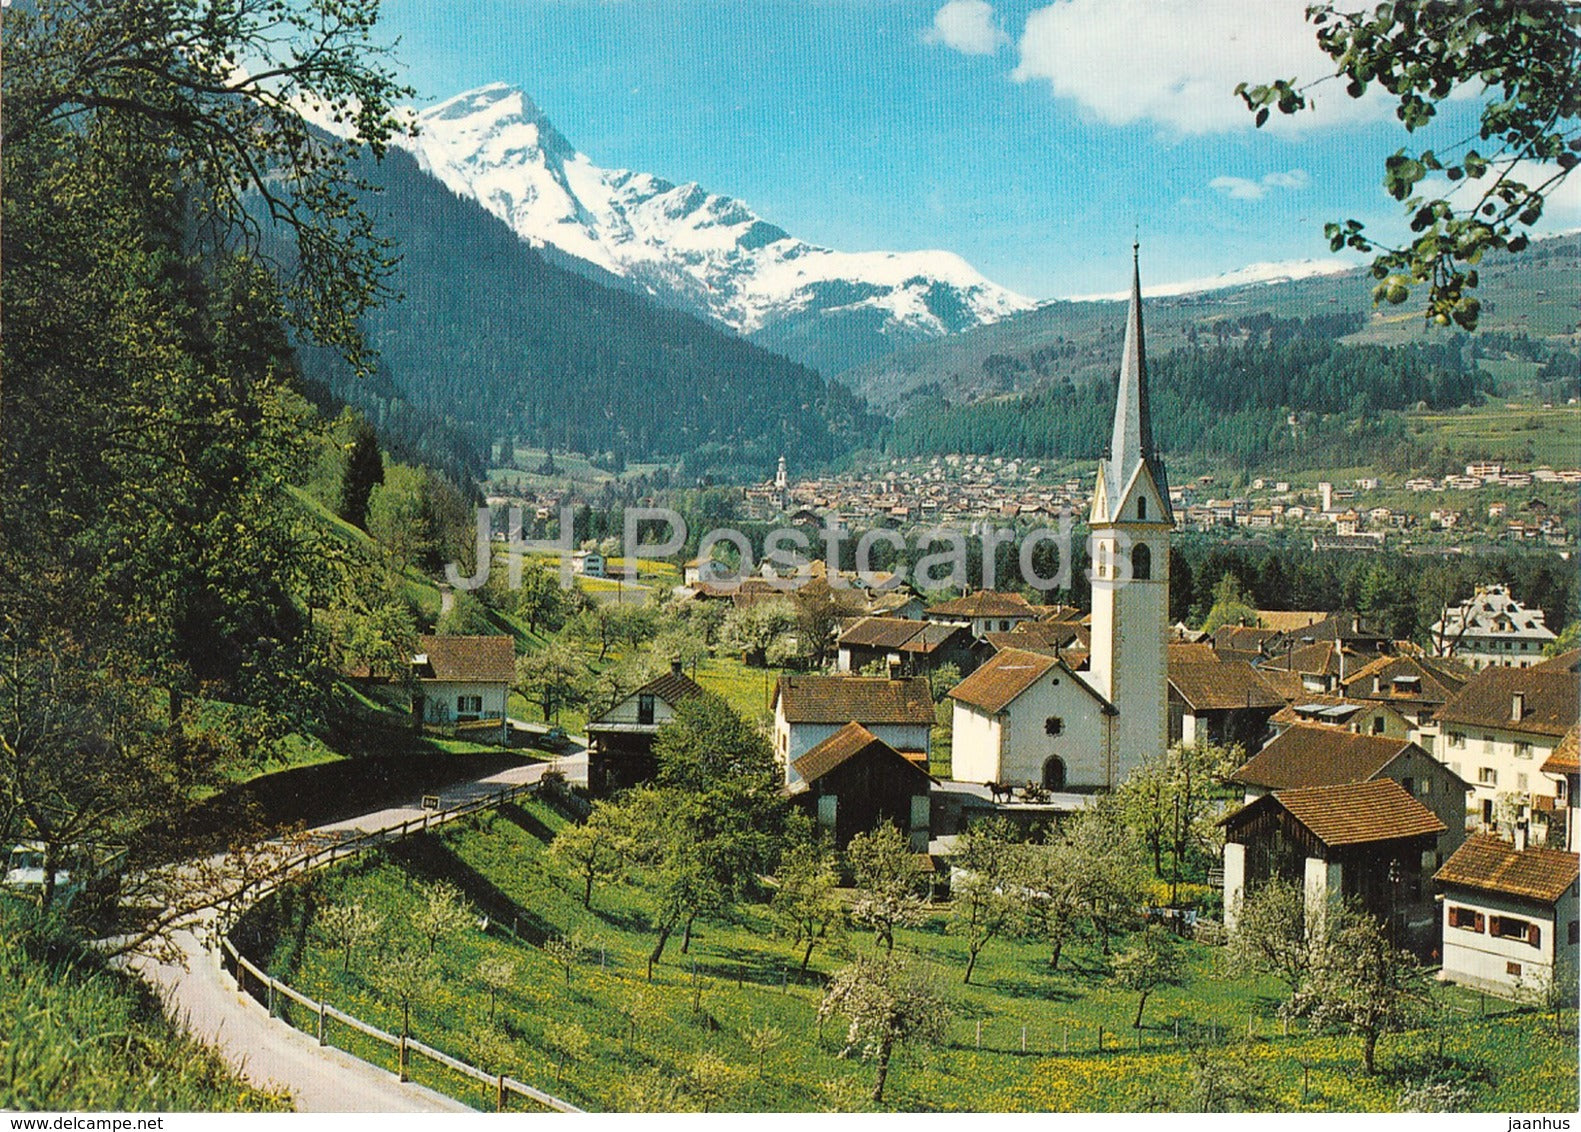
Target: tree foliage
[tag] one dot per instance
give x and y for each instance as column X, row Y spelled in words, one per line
column 885, row 1005
column 888, row 880
column 1521, row 58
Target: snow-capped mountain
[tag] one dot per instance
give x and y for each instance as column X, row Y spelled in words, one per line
column 702, row 251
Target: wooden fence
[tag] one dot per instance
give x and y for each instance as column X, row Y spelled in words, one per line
column 270, row 990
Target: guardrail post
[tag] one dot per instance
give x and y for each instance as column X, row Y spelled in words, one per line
column 270, row 984
column 323, row 1022
column 400, row 1060
column 499, row 1093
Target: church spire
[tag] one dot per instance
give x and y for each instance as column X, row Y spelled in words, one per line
column 1133, row 428
column 1132, row 442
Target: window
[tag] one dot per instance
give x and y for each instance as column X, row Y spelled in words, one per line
column 1408, row 784
column 1521, row 783
column 1510, row 927
column 1141, row 563
column 1523, row 750
column 645, row 709
column 1053, row 725
column 1465, row 918
column 1054, row 773
column 469, row 705
column 1574, row 932
column 1457, row 739
column 1512, row 969
column 1377, row 725
column 828, row 811
column 1487, row 776
column 1424, row 788
column 1141, row 507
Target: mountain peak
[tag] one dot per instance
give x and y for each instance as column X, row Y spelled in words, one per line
column 702, row 251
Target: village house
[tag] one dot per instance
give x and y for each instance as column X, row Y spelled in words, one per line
column 463, row 684
column 1491, row 629
column 620, row 738
column 905, row 647
column 1225, row 702
column 1369, row 841
column 809, row 709
column 1414, row 686
column 853, row 781
column 1305, row 755
column 1363, row 717
column 984, row 611
column 1564, row 768
column 1028, row 717
column 1510, row 913
column 589, row 564
column 1498, row 733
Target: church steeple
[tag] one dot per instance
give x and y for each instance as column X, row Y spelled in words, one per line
column 1131, row 444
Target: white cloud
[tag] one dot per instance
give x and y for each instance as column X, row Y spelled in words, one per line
column 967, row 26
column 1240, row 188
column 1176, row 62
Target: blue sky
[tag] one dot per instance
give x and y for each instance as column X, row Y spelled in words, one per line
column 1030, row 137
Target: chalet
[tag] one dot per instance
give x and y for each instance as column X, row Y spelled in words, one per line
column 809, row 709
column 1305, row 755
column 1502, row 727
column 1219, row 702
column 853, row 781
column 620, row 739
column 1028, row 717
column 589, row 564
column 907, row 648
column 463, row 683
column 1369, row 842
column 1510, row 913
column 985, row 611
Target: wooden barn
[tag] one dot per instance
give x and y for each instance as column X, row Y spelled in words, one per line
column 853, row 781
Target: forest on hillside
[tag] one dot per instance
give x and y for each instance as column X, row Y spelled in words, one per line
column 500, row 343
column 1301, row 400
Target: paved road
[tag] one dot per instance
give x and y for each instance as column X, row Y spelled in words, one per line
column 273, row 1055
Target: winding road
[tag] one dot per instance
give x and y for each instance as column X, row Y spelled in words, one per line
column 271, row 1054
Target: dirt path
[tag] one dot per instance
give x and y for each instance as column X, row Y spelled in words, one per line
column 270, row 1053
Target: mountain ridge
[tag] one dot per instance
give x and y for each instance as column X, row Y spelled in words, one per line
column 703, row 252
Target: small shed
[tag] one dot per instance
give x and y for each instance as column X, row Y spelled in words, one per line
column 853, row 781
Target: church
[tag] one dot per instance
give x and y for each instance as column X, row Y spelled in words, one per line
column 1024, row 716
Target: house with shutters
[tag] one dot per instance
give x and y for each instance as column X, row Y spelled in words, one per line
column 1364, row 717
column 620, row 738
column 1414, row 686
column 809, row 709
column 1499, row 732
column 1510, row 913
column 463, row 683
column 853, row 781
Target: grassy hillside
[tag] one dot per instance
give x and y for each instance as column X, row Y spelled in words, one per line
column 76, row 1036
column 599, row 1034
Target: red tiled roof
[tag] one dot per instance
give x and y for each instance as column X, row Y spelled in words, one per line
column 481, row 660
column 1221, row 686
column 1418, row 679
column 1566, row 758
column 1552, row 700
column 1307, row 755
column 1494, row 865
column 984, row 603
column 1359, row 812
column 867, row 699
column 1007, row 674
column 845, row 744
column 672, row 687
